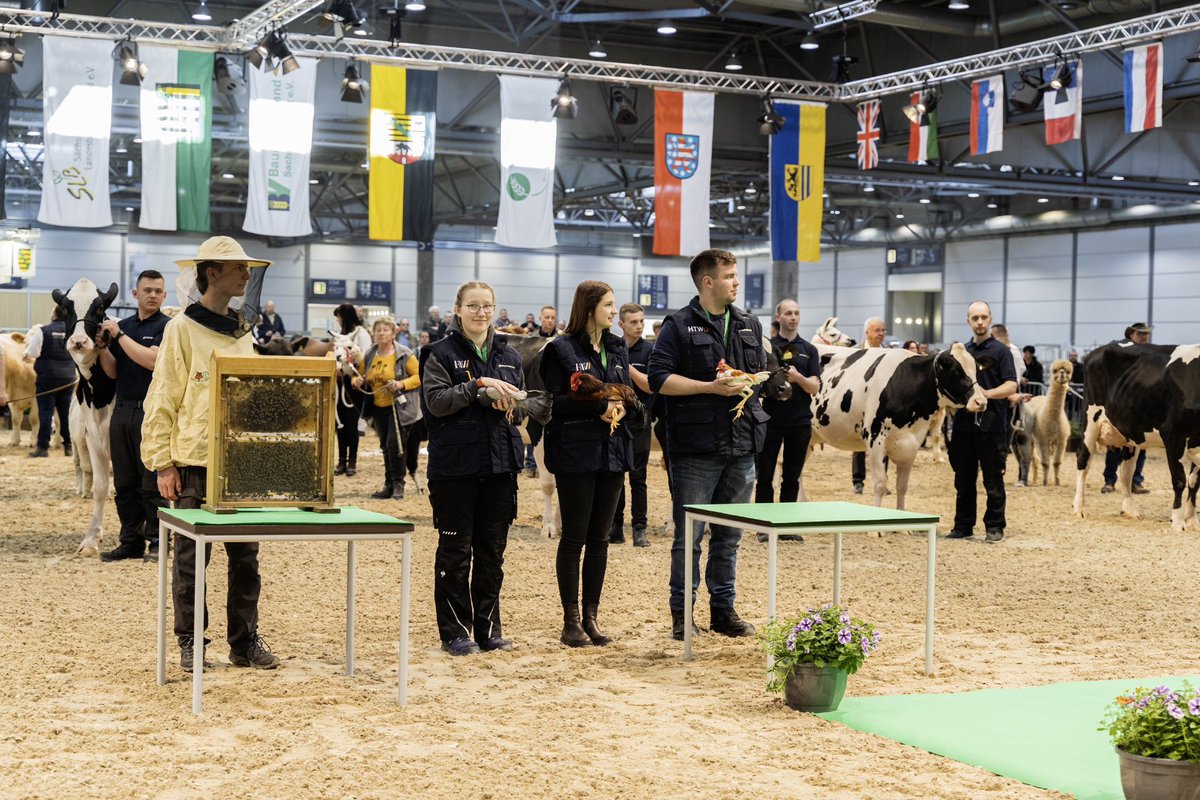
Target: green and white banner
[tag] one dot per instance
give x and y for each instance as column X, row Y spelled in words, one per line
column 176, row 110
column 281, row 133
column 528, row 135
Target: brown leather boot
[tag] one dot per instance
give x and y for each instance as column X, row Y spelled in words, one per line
column 572, row 634
column 591, row 628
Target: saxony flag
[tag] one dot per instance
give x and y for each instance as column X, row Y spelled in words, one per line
column 403, row 121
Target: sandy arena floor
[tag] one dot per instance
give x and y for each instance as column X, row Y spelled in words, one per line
column 1060, row 599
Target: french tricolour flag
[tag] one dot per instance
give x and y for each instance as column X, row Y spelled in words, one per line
column 1143, row 88
column 987, row 115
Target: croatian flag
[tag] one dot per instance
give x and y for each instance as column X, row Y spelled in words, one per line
column 869, row 134
column 1143, row 88
column 1064, row 107
column 987, row 115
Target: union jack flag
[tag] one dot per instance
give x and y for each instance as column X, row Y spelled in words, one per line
column 869, row 134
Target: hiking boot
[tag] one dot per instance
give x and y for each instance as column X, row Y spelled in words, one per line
column 639, row 536
column 591, row 628
column 957, row 534
column 40, row 452
column 495, row 643
column 186, row 662
column 386, row 493
column 677, row 626
column 340, row 469
column 256, row 655
column 67, row 449
column 462, row 646
column 995, row 535
column 351, row 470
column 398, row 491
column 572, row 632
column 1108, row 488
column 617, row 535
column 123, row 552
column 726, row 621
column 1140, row 489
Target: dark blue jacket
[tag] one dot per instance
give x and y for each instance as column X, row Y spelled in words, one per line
column 577, row 440
column 54, row 364
column 795, row 412
column 466, row 438
column 691, row 345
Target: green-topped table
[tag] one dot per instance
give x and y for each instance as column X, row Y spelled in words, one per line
column 837, row 518
column 351, row 525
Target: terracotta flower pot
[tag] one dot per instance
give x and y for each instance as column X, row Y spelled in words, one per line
column 814, row 688
column 1145, row 778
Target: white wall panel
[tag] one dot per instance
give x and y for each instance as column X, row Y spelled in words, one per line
column 451, row 269
column 1112, row 283
column 860, row 288
column 973, row 271
column 815, row 294
column 524, row 281
column 1176, row 284
column 1039, row 290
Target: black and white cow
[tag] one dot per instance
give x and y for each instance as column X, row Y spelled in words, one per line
column 883, row 401
column 1144, row 395
column 83, row 308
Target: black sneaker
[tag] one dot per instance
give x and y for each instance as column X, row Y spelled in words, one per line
column 727, row 622
column 995, row 535
column 462, row 646
column 385, row 493
column 256, row 655
column 340, row 469
column 495, row 643
column 617, row 535
column 122, row 553
column 639, row 536
column 957, row 534
column 186, row 662
column 67, row 449
column 40, row 452
column 351, row 470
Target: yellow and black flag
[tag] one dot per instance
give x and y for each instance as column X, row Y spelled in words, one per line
column 403, row 121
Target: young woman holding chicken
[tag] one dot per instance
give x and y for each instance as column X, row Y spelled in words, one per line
column 471, row 396
column 589, row 448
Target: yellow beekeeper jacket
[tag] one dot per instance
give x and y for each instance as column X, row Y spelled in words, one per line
column 175, row 427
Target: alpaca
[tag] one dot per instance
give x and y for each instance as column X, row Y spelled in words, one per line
column 1050, row 427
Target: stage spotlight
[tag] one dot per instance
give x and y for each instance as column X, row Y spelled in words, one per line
column 132, row 68
column 282, row 54
column 622, row 105
column 841, row 67
column 564, row 105
column 353, row 87
column 926, row 101
column 1025, row 96
column 1062, row 77
column 262, row 51
column 11, row 57
column 768, row 121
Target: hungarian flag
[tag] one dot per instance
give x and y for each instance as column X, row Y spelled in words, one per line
column 683, row 125
column 987, row 115
column 403, row 121
column 176, row 112
column 922, row 137
column 798, row 181
column 1063, row 108
column 1143, row 88
column 869, row 134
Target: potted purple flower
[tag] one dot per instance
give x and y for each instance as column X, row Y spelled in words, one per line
column 1157, row 736
column 813, row 653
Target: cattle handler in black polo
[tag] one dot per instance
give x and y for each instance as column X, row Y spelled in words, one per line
column 980, row 441
column 128, row 350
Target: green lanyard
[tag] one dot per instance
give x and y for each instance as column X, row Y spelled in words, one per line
column 711, row 318
column 604, row 357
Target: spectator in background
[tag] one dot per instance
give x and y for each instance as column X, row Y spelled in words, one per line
column 912, row 346
column 1034, row 373
column 393, row 382
column 632, row 322
column 1000, row 331
column 655, row 327
column 403, row 334
column 774, row 328
column 1078, row 371
column 350, row 325
column 270, row 326
column 530, row 324
column 56, row 376
column 923, row 349
column 503, row 320
column 447, row 316
column 874, row 330
column 549, row 325
column 1137, row 333
column 422, row 342
column 434, row 325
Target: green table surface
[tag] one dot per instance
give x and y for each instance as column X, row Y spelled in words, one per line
column 290, row 517
column 814, row 515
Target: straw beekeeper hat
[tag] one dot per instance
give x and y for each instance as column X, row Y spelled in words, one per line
column 222, row 248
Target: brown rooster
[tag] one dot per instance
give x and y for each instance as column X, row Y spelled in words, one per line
column 586, row 387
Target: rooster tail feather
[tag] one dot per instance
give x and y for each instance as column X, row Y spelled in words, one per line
column 539, row 405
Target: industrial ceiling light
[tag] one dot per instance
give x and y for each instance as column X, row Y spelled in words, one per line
column 809, row 42
column 959, row 5
column 11, row 56
column 132, row 68
column 414, row 5
column 564, row 105
column 282, row 54
column 353, row 87
column 201, row 13
column 1026, row 94
column 622, row 105
column 769, row 122
column 667, row 28
column 926, row 101
column 597, row 49
column 734, row 64
column 228, row 76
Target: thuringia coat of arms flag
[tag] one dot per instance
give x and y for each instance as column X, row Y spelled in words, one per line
column 797, row 181
column 683, row 125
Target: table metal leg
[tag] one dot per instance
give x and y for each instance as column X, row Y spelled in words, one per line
column 198, row 629
column 837, row 569
column 351, row 568
column 163, row 535
column 772, row 554
column 929, row 607
column 688, row 544
column 405, row 578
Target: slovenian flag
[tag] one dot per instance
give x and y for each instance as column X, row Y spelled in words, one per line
column 922, row 137
column 1143, row 88
column 1063, row 107
column 987, row 115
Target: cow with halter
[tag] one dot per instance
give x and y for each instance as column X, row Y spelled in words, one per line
column 83, row 308
column 884, row 401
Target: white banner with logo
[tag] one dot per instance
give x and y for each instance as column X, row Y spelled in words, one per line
column 528, row 134
column 77, row 79
column 281, row 133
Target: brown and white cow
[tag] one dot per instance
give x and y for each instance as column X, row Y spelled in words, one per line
column 884, row 401
column 17, row 383
column 83, row 308
column 1144, row 395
